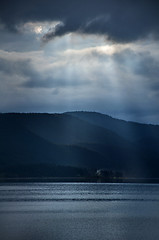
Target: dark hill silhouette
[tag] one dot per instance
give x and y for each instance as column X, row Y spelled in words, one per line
column 20, row 145
column 76, row 141
column 130, row 130
column 65, row 129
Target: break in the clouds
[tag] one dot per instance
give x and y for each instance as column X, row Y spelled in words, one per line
column 60, row 56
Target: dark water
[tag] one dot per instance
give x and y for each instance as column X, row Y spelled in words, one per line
column 63, row 211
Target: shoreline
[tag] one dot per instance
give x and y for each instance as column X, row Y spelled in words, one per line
column 78, row 180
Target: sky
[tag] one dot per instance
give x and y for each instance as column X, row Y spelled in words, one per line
column 100, row 55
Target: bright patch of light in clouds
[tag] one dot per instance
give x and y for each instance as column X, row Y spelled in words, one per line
column 38, row 27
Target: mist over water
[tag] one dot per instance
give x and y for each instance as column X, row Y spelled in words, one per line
column 71, row 211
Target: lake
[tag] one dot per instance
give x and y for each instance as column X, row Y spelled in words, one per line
column 79, row 211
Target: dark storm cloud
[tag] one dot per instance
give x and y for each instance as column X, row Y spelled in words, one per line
column 50, row 82
column 23, row 68
column 52, row 32
column 33, row 78
column 18, row 67
column 148, row 67
column 142, row 64
column 124, row 20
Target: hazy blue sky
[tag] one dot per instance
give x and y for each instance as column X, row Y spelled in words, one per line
column 100, row 55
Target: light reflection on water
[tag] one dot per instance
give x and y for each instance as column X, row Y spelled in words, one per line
column 69, row 211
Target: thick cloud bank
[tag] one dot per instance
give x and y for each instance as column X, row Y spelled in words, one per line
column 122, row 21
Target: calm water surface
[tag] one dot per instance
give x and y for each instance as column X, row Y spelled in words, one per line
column 75, row 211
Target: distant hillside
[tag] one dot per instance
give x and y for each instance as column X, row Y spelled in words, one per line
column 129, row 130
column 77, row 143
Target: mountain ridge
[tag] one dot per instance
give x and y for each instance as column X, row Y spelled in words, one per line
column 81, row 139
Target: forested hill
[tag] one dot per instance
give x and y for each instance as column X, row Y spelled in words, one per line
column 75, row 144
